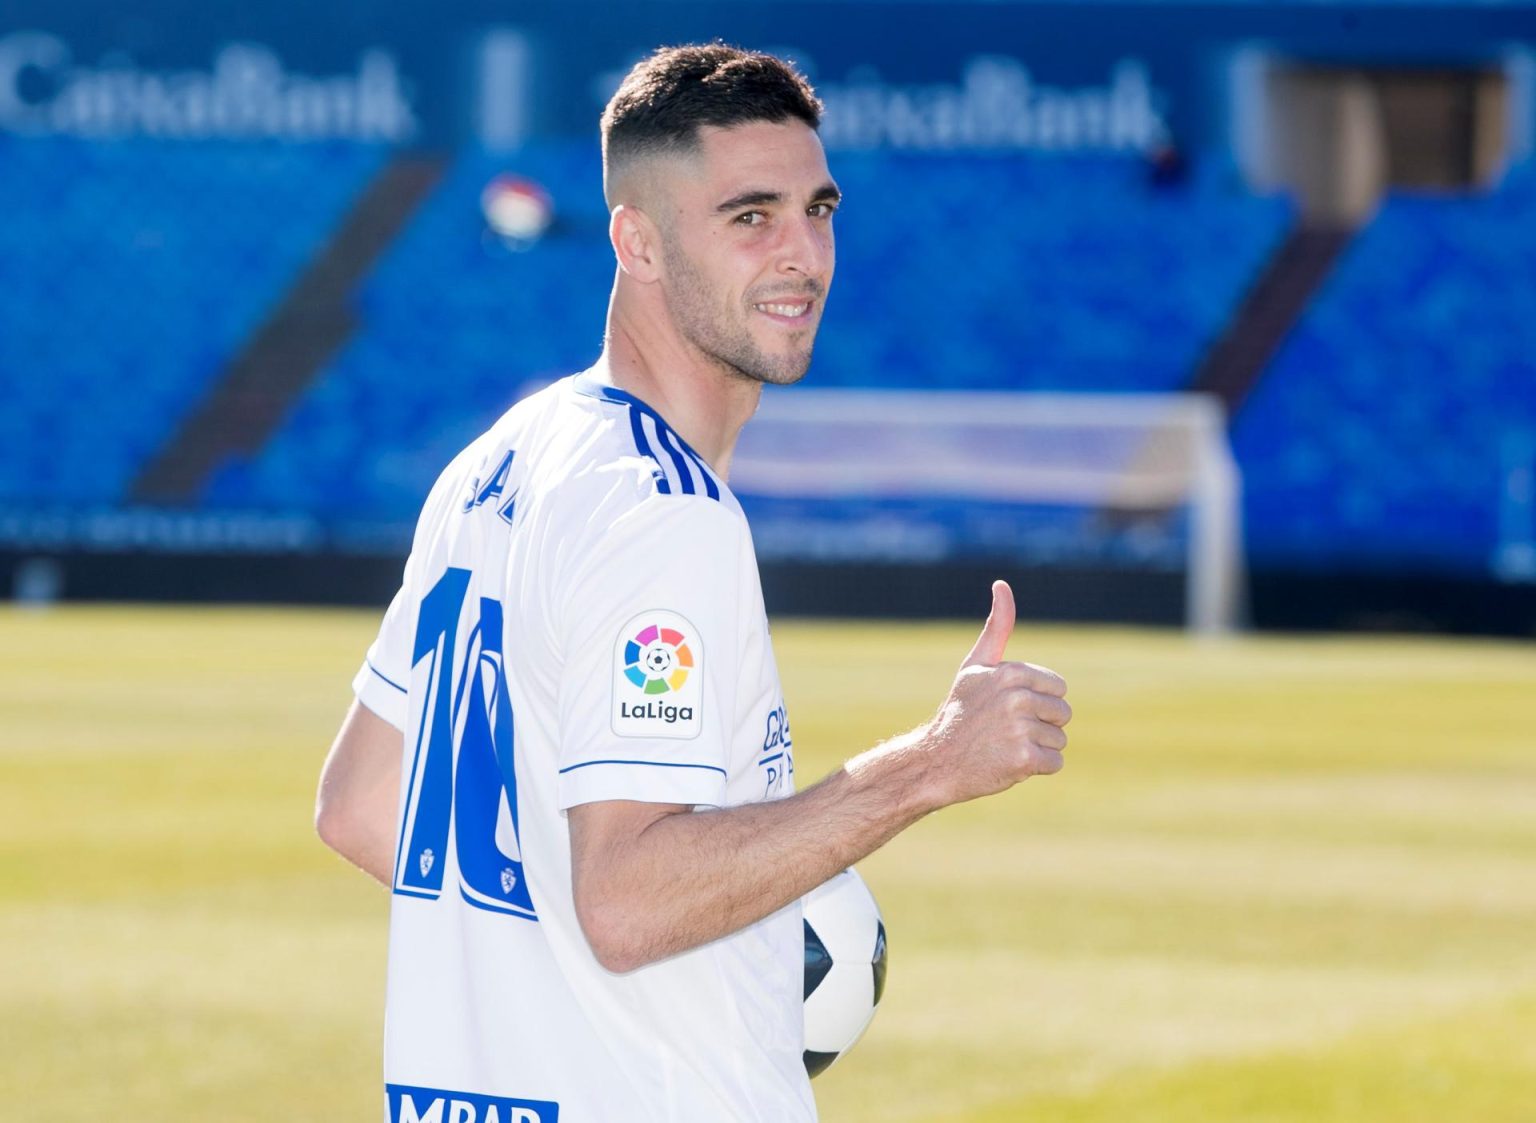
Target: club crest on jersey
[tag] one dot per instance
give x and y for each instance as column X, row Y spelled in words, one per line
column 427, row 858
column 658, row 674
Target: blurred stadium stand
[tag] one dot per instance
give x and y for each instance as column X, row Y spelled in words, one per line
column 255, row 355
column 1091, row 279
column 141, row 268
column 1377, row 439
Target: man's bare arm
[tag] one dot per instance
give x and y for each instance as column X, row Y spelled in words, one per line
column 359, row 791
column 653, row 880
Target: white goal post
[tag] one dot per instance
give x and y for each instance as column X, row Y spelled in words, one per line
column 1113, row 453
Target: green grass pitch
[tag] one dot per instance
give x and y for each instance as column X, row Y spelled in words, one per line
column 1280, row 880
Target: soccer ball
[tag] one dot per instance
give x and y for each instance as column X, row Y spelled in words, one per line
column 844, row 967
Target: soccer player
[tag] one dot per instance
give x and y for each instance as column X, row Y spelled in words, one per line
column 569, row 756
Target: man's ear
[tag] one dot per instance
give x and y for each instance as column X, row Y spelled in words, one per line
column 636, row 243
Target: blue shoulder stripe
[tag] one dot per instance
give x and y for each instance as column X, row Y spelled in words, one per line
column 711, row 488
column 643, row 447
column 678, row 451
column 669, row 441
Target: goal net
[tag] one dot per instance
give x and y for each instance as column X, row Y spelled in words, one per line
column 1132, row 482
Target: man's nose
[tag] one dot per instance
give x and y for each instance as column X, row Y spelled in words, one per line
column 807, row 248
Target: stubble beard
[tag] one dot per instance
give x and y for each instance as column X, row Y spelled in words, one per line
column 723, row 339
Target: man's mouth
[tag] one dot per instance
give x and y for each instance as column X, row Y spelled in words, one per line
column 794, row 312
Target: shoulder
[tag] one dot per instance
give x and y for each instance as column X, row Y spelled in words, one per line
column 611, row 455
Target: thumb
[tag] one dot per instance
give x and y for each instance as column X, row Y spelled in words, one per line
column 990, row 645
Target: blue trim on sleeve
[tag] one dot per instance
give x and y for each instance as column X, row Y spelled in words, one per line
column 647, row 763
column 385, row 677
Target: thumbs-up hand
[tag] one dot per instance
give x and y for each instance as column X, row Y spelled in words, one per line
column 1002, row 722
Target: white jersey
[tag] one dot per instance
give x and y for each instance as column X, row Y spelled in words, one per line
column 580, row 620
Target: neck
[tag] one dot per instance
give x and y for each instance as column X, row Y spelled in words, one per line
column 643, row 355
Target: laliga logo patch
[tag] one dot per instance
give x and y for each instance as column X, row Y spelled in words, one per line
column 658, row 669
column 658, row 659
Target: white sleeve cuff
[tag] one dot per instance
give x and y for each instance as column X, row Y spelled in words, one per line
column 646, row 781
column 382, row 695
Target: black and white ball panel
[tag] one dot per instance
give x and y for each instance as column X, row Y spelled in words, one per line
column 845, row 962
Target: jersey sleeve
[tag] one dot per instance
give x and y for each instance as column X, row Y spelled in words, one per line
column 650, row 656
column 382, row 680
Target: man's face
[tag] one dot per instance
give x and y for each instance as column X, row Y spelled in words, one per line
column 747, row 247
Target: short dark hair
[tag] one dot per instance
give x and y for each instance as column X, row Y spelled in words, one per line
column 667, row 96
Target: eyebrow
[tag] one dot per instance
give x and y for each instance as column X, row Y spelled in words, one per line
column 826, row 193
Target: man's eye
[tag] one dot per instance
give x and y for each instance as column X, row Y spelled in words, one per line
column 821, row 210
column 752, row 218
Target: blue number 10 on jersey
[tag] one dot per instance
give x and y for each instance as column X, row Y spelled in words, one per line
column 461, row 779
